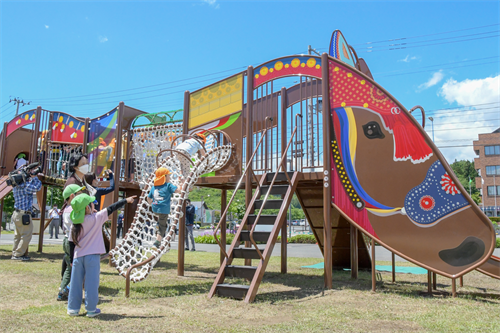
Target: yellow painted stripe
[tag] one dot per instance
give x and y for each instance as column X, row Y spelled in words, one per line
column 353, row 134
column 377, row 210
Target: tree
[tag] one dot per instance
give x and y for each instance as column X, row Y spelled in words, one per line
column 466, row 174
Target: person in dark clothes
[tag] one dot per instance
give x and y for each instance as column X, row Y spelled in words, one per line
column 119, row 225
column 190, row 210
column 90, row 182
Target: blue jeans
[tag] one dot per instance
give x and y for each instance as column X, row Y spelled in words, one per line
column 86, row 268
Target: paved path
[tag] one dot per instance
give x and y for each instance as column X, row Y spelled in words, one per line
column 294, row 250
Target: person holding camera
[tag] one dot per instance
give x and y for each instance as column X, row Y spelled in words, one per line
column 21, row 217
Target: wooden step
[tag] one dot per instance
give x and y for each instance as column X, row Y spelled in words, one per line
column 263, row 219
column 237, row 291
column 276, row 189
column 280, row 178
column 245, row 272
column 258, row 236
column 270, row 204
column 247, row 253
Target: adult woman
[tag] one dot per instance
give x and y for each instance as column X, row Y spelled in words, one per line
column 78, row 166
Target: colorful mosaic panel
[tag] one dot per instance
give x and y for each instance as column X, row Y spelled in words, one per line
column 339, row 49
column 67, row 129
column 348, row 88
column 216, row 101
column 21, row 120
column 298, row 65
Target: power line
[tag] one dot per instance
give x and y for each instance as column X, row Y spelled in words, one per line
column 431, row 70
column 431, row 40
column 434, row 34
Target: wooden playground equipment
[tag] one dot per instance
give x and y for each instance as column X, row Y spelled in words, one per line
column 321, row 128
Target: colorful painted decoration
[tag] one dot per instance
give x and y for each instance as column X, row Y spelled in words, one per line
column 339, row 49
column 66, row 128
column 218, row 124
column 386, row 178
column 296, row 65
column 434, row 199
column 102, row 141
column 216, row 101
column 350, row 88
column 21, row 120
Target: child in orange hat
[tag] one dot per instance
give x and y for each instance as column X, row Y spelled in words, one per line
column 159, row 198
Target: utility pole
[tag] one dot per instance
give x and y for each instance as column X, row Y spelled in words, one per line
column 432, row 122
column 18, row 101
column 310, row 50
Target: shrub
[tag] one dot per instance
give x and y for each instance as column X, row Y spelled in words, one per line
column 208, row 237
column 498, row 243
column 304, row 239
column 495, row 219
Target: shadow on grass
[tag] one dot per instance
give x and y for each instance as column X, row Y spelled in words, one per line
column 172, row 290
column 116, row 317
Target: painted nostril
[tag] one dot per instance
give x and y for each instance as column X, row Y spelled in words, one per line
column 471, row 249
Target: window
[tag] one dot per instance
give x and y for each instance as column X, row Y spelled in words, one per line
column 492, row 150
column 491, row 190
column 493, row 170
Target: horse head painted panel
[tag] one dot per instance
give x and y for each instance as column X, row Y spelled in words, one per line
column 390, row 179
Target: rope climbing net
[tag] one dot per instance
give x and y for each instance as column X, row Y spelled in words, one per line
column 137, row 246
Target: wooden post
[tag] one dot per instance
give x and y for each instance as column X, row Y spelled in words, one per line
column 1, row 216
column 354, row 252
column 454, row 287
column 327, row 191
column 284, row 238
column 42, row 218
column 85, row 135
column 249, row 147
column 2, row 149
column 429, row 282
column 34, row 137
column 118, row 148
column 374, row 280
column 393, row 267
column 181, row 242
column 434, row 283
column 223, row 228
column 462, row 281
column 185, row 115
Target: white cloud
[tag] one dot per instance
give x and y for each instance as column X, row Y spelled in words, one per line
column 461, row 126
column 46, row 26
column 408, row 58
column 470, row 92
column 436, row 77
column 212, row 3
column 103, row 39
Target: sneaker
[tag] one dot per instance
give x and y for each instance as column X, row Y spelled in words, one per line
column 62, row 297
column 187, row 249
column 73, row 313
column 193, row 250
column 25, row 258
column 94, row 313
column 16, row 258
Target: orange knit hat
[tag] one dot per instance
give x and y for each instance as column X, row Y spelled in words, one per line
column 160, row 176
column 202, row 137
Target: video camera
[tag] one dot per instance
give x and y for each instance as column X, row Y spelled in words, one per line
column 19, row 176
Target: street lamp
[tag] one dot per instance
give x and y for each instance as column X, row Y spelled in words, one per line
column 432, row 123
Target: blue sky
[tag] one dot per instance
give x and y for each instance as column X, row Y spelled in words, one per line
column 53, row 51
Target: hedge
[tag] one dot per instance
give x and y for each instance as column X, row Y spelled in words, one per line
column 207, row 238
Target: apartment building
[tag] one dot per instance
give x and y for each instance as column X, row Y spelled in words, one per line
column 487, row 148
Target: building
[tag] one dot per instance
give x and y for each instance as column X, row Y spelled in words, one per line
column 487, row 164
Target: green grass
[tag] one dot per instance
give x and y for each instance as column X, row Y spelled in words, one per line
column 293, row 302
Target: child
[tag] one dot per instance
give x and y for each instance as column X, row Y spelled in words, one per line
column 68, row 194
column 90, row 181
column 190, row 147
column 86, row 233
column 159, row 198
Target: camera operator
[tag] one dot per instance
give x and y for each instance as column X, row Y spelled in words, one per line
column 21, row 217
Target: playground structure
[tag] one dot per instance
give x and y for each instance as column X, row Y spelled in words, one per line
column 357, row 160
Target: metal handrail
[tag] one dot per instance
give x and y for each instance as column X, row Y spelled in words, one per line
column 283, row 156
column 223, row 216
column 423, row 113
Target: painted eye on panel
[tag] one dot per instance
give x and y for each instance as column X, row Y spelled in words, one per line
column 372, row 130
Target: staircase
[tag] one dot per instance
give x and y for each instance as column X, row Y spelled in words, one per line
column 4, row 188
column 276, row 184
